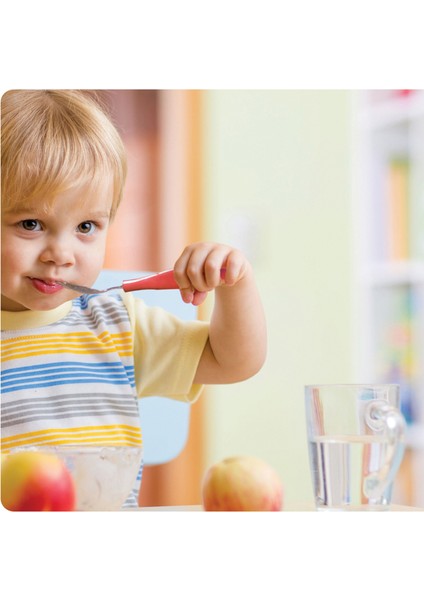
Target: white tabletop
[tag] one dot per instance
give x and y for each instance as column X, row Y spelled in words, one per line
column 289, row 508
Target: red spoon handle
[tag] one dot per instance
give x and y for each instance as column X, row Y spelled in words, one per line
column 159, row 281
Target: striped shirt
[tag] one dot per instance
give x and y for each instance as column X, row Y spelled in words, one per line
column 73, row 375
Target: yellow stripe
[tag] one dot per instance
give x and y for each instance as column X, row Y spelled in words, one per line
column 77, row 344
column 66, row 336
column 119, row 435
column 57, row 345
column 60, row 338
column 65, row 351
column 93, row 429
column 122, row 334
column 107, row 441
column 79, row 437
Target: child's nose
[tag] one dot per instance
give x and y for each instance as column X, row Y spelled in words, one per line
column 58, row 251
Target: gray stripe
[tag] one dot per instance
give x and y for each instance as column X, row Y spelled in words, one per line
column 88, row 396
column 99, row 315
column 32, row 409
column 55, row 415
column 30, row 406
column 94, row 320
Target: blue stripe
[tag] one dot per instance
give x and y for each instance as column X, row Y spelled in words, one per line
column 83, row 300
column 63, row 364
column 64, row 382
column 46, row 370
column 106, row 377
column 47, row 375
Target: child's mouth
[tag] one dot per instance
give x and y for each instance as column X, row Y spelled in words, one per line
column 46, row 287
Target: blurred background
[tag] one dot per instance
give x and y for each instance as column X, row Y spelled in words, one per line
column 324, row 192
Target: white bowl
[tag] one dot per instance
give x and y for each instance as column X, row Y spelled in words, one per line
column 104, row 476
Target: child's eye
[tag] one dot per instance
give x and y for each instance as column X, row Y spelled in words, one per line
column 30, row 225
column 87, row 227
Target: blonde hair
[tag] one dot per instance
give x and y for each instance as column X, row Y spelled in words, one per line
column 55, row 140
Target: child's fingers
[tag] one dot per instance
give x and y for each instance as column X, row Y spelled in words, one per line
column 187, row 295
column 182, row 272
column 235, row 267
column 193, row 297
column 200, row 267
column 199, row 298
column 189, row 269
column 214, row 263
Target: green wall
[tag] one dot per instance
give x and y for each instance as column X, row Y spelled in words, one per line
column 277, row 184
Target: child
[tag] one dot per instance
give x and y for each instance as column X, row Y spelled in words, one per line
column 73, row 367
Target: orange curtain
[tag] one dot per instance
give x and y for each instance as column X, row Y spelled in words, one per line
column 133, row 239
column 161, row 213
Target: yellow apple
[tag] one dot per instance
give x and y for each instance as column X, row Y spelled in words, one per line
column 242, row 483
column 36, row 481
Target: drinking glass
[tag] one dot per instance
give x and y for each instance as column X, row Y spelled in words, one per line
column 355, row 438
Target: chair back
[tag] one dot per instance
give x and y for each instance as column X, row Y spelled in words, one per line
column 164, row 422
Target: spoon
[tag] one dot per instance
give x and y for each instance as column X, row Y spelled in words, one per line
column 159, row 281
column 164, row 280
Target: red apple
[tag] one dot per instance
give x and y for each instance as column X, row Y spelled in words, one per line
column 242, row 483
column 36, row 481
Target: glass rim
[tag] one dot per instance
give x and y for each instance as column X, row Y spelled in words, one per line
column 352, row 385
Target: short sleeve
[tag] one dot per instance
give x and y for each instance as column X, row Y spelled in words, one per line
column 167, row 351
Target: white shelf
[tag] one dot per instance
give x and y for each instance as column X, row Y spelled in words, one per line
column 393, row 273
column 414, row 437
column 393, row 111
column 389, row 125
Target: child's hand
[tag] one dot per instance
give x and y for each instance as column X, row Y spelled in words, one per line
column 236, row 345
column 202, row 267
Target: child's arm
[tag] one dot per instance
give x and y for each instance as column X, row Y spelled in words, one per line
column 236, row 347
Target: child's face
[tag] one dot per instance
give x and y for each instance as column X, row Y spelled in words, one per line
column 62, row 241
